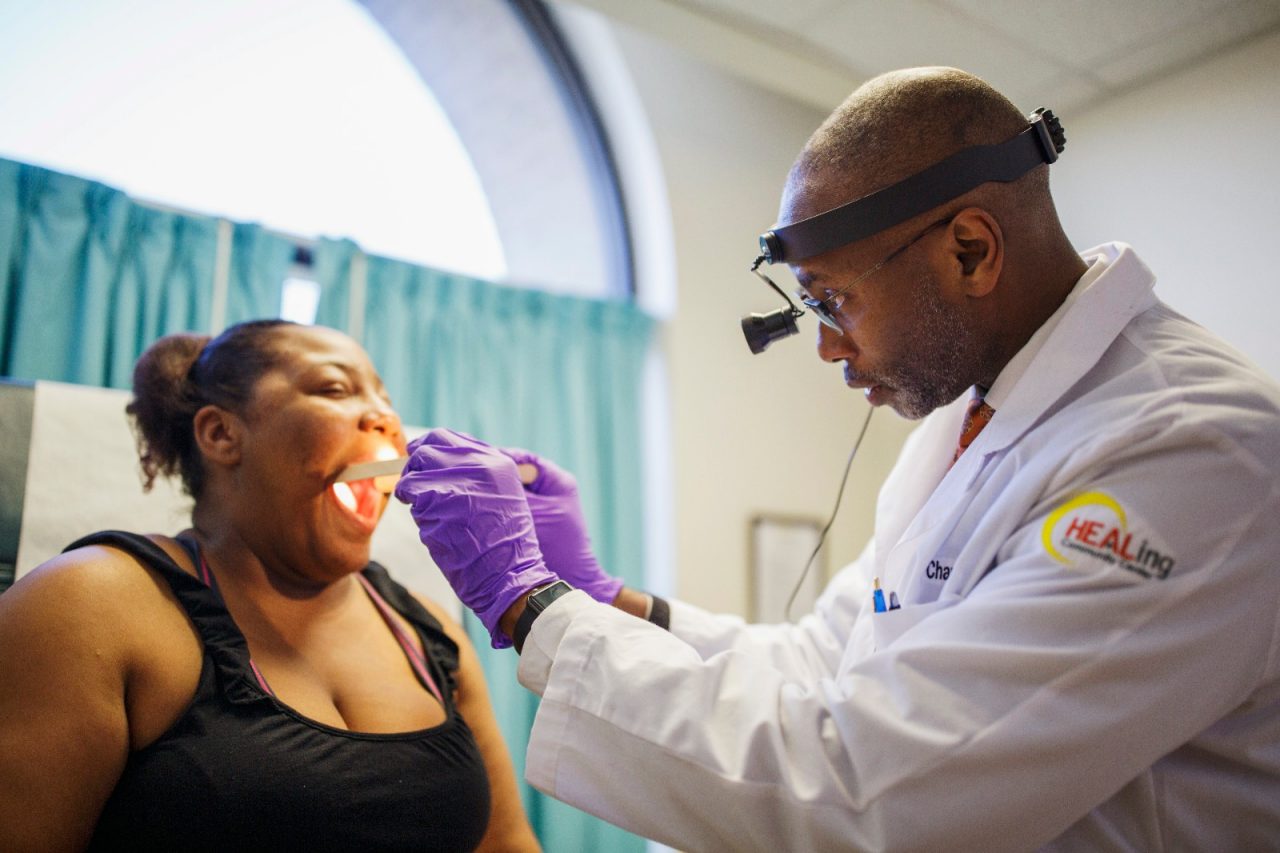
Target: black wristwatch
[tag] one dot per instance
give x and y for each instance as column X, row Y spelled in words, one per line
column 539, row 600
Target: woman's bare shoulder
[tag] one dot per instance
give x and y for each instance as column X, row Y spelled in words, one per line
column 97, row 659
column 95, row 588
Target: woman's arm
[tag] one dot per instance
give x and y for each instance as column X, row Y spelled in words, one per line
column 64, row 731
column 509, row 829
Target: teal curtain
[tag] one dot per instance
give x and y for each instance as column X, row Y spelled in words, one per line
column 331, row 262
column 260, row 260
column 558, row 375
column 88, row 278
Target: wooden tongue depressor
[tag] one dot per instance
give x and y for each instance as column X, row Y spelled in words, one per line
column 382, row 467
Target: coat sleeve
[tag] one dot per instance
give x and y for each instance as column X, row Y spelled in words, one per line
column 991, row 724
column 807, row 651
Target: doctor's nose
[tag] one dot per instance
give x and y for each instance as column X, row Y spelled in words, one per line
column 833, row 346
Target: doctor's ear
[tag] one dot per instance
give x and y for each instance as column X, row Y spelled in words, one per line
column 977, row 250
column 218, row 433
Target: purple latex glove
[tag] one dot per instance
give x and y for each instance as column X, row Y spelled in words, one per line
column 469, row 505
column 562, row 532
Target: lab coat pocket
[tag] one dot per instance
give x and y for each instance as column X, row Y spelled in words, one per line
column 892, row 624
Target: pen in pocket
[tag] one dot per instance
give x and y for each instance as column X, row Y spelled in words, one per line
column 877, row 598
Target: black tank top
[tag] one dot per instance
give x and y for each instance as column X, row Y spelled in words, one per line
column 239, row 770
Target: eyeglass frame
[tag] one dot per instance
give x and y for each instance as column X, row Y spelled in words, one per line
column 821, row 310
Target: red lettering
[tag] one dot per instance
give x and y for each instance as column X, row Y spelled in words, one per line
column 1090, row 536
column 1112, row 540
column 1124, row 551
column 1076, row 528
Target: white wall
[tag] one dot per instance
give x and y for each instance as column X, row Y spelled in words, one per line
column 767, row 433
column 1187, row 171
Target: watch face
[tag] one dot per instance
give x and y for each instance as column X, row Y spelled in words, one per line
column 542, row 598
column 538, row 601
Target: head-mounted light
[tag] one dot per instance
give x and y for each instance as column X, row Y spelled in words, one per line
column 968, row 168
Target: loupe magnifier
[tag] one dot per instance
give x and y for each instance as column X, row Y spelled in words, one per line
column 1041, row 142
column 763, row 329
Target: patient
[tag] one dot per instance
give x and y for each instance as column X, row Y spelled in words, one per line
column 253, row 682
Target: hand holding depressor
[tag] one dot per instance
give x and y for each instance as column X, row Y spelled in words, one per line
column 562, row 531
column 469, row 505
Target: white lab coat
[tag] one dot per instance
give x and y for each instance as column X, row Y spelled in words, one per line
column 1086, row 657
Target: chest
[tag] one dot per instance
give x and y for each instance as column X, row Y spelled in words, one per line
column 961, row 528
column 934, row 557
column 350, row 670
column 351, row 673
column 237, row 775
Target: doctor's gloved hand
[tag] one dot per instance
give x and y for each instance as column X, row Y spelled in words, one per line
column 562, row 531
column 469, row 505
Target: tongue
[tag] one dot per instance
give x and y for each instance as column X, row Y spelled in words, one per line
column 367, row 496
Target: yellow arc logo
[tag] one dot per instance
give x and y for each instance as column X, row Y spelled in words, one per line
column 1086, row 499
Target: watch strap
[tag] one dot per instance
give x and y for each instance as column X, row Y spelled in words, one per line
column 659, row 612
column 539, row 600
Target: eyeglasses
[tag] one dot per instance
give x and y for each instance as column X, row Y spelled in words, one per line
column 823, row 308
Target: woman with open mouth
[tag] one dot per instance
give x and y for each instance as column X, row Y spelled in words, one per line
column 253, row 682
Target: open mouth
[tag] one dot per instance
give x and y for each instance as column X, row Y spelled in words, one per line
column 361, row 498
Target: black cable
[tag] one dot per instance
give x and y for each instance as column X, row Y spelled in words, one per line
column 823, row 535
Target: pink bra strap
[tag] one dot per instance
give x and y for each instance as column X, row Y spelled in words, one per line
column 207, row 576
column 262, row 679
column 416, row 660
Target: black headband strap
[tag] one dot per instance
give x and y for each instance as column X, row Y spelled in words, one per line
column 941, row 182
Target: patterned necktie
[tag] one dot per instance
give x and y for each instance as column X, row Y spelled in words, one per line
column 977, row 416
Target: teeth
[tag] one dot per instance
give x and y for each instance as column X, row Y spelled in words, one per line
column 387, row 482
column 345, row 496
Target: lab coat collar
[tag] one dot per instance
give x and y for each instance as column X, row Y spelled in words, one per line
column 1090, row 325
column 930, row 447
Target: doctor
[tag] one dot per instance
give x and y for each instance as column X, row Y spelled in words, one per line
column 1082, row 534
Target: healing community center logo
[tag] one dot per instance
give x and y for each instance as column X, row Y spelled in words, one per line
column 1094, row 524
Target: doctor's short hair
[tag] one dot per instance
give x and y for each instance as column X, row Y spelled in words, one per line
column 901, row 122
column 180, row 374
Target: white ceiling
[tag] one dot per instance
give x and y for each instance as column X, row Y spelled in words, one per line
column 1065, row 54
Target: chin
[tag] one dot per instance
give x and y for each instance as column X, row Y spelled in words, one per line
column 340, row 559
column 912, row 413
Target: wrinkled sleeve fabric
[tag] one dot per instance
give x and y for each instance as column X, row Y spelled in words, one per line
column 992, row 724
column 809, row 650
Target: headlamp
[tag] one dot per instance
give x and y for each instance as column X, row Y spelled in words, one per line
column 968, row 168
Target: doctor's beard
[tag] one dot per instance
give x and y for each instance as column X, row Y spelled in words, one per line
column 933, row 360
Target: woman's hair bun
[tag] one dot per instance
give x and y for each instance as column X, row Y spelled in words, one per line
column 163, row 405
